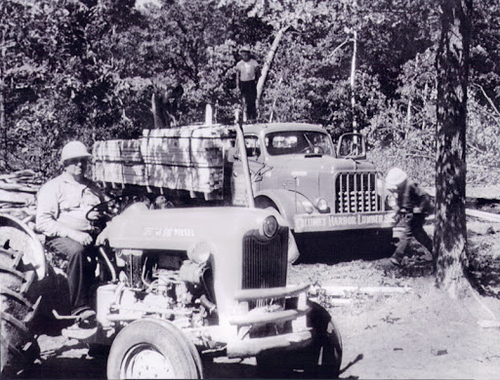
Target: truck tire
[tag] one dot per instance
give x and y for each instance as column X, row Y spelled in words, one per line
column 18, row 305
column 320, row 360
column 153, row 348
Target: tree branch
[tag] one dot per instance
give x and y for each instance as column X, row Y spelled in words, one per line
column 490, row 101
column 340, row 46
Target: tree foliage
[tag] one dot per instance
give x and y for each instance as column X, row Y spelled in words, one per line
column 87, row 69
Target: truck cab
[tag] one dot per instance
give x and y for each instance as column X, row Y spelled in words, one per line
column 315, row 185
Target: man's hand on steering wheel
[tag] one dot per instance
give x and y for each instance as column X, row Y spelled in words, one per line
column 99, row 212
column 103, row 212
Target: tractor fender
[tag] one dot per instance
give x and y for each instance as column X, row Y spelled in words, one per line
column 287, row 202
column 17, row 235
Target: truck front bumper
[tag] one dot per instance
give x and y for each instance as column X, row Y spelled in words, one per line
column 341, row 222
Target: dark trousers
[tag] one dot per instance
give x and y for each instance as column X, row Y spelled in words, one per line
column 413, row 227
column 80, row 270
column 249, row 93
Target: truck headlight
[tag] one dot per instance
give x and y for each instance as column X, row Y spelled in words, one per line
column 322, row 205
column 200, row 252
column 269, row 226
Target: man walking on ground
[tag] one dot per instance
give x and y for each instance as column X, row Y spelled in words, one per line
column 413, row 205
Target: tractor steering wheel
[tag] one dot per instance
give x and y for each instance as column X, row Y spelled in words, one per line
column 107, row 210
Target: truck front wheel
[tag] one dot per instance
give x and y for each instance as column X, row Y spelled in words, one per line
column 153, row 349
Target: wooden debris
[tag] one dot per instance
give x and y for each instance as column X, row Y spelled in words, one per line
column 18, row 191
column 439, row 352
column 488, row 323
column 483, row 215
column 484, row 192
column 339, row 290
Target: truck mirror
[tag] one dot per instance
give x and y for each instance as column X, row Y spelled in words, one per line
column 351, row 145
column 253, row 152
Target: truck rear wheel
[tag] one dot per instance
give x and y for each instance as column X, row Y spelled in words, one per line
column 18, row 304
column 153, row 349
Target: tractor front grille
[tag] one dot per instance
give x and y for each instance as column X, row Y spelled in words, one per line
column 356, row 192
column 265, row 262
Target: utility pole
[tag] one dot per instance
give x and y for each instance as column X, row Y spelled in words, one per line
column 353, row 81
column 354, row 41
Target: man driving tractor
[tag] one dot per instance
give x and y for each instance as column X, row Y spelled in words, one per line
column 63, row 204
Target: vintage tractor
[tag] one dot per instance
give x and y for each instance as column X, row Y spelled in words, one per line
column 177, row 284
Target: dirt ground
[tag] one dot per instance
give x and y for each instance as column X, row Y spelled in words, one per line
column 395, row 324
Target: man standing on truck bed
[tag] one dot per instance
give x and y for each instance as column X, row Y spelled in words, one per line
column 63, row 204
column 247, row 74
column 413, row 205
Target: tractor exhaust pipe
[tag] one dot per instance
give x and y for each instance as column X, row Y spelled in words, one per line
column 244, row 158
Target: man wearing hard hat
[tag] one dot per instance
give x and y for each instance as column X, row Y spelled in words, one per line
column 63, row 204
column 412, row 207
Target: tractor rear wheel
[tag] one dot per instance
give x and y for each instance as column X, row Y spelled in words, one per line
column 18, row 305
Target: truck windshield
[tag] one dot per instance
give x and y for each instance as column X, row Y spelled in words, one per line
column 298, row 142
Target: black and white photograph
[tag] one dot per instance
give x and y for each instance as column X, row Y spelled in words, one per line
column 260, row 189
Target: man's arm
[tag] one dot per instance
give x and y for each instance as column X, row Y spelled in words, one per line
column 237, row 77
column 257, row 71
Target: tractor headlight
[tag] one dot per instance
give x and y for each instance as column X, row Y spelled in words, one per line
column 200, row 252
column 322, row 205
column 269, row 227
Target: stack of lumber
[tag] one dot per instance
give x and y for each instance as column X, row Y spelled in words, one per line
column 185, row 158
column 119, row 162
column 18, row 192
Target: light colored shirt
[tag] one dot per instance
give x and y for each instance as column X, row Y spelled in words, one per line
column 247, row 69
column 63, row 203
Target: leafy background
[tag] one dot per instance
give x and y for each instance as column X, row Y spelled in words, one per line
column 86, row 69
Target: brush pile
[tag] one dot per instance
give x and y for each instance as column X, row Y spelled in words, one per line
column 18, row 193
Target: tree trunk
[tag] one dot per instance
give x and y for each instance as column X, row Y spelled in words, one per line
column 3, row 126
column 450, row 238
column 267, row 64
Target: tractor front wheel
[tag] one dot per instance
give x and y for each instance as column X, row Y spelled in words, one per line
column 153, row 349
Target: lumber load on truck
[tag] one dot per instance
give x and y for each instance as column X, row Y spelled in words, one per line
column 189, row 158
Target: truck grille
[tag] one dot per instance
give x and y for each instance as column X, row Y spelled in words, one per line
column 265, row 262
column 356, row 192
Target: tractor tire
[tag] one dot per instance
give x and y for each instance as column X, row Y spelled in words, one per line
column 153, row 348
column 18, row 304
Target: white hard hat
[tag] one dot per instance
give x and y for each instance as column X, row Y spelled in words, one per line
column 74, row 149
column 394, row 178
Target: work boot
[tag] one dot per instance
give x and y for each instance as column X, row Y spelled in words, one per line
column 398, row 262
column 85, row 318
